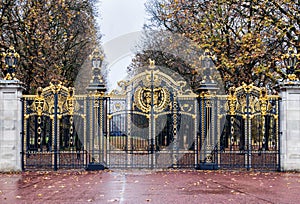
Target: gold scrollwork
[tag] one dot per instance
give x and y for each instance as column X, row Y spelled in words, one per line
column 39, row 102
column 263, row 99
column 143, row 99
column 232, row 101
column 248, row 88
column 292, row 77
column 71, row 101
column 55, row 86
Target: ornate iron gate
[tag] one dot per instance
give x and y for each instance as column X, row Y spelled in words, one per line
column 239, row 130
column 153, row 121
column 50, row 139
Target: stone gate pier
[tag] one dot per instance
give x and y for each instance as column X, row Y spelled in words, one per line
column 10, row 125
column 290, row 126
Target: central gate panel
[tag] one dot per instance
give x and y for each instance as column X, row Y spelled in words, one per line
column 152, row 122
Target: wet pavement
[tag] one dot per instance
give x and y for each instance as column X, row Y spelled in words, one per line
column 145, row 186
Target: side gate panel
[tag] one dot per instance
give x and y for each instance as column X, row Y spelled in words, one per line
column 53, row 137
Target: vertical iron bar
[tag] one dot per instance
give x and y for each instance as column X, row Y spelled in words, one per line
column 87, row 130
column 247, row 137
column 104, row 115
column 22, row 135
column 201, row 127
column 55, row 130
column 152, row 120
column 198, row 130
column 109, row 129
column 215, row 131
column 36, row 146
column 279, row 133
column 99, row 128
column 92, row 137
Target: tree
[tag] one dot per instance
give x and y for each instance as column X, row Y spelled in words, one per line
column 53, row 38
column 171, row 51
column 246, row 37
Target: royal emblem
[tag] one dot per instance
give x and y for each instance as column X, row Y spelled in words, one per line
column 143, row 99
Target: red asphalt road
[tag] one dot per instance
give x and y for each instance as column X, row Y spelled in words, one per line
column 145, row 186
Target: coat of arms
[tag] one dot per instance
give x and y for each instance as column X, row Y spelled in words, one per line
column 157, row 98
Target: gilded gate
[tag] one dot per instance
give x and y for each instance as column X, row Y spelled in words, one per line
column 50, row 138
column 240, row 130
column 153, row 120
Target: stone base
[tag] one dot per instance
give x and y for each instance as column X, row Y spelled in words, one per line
column 10, row 125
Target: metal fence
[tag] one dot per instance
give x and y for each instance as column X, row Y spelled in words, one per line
column 153, row 121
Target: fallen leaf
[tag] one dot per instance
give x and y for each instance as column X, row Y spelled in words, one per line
column 113, row 200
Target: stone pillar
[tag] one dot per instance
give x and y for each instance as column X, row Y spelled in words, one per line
column 10, row 125
column 290, row 126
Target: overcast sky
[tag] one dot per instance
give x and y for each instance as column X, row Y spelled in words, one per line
column 119, row 17
column 120, row 22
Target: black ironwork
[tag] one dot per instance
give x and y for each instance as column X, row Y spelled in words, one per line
column 101, row 131
column 22, row 135
column 154, row 121
column 55, row 130
column 50, row 140
column 249, row 138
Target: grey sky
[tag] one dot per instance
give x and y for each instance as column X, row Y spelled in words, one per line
column 119, row 17
column 120, row 23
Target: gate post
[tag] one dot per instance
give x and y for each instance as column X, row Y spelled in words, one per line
column 207, row 137
column 97, row 110
column 10, row 125
column 290, row 126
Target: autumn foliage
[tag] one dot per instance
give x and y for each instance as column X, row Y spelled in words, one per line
column 53, row 38
column 246, row 38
